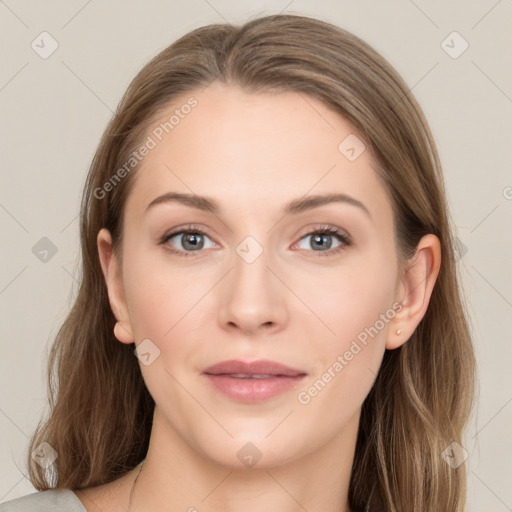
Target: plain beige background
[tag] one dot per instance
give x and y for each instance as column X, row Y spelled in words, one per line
column 53, row 111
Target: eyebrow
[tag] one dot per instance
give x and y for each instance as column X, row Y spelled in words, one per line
column 293, row 207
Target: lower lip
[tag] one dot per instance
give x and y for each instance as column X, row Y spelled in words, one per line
column 251, row 391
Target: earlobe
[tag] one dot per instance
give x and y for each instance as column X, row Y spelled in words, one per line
column 415, row 290
column 122, row 334
column 113, row 280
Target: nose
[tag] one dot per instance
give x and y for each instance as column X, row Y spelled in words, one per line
column 252, row 298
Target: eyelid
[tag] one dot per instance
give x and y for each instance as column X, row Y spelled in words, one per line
column 189, row 228
column 327, row 228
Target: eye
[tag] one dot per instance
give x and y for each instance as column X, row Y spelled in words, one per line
column 187, row 241
column 325, row 241
column 328, row 240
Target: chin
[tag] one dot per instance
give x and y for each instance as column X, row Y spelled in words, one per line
column 253, row 451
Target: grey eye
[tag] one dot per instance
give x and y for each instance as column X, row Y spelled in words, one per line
column 189, row 241
column 320, row 241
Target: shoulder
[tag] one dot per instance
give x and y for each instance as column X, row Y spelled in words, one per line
column 51, row 500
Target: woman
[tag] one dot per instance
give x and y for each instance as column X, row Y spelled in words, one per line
column 265, row 222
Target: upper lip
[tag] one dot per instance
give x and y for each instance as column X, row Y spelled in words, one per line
column 260, row 367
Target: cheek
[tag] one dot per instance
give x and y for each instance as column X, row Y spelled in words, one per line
column 350, row 299
column 160, row 294
column 347, row 363
column 355, row 308
column 166, row 306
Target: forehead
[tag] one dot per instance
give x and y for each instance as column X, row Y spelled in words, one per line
column 255, row 152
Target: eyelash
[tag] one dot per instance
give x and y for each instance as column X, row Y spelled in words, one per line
column 328, row 230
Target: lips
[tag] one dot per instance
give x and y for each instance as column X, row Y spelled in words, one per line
column 255, row 369
column 251, row 382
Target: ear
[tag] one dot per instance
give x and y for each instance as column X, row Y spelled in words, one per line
column 414, row 290
column 112, row 273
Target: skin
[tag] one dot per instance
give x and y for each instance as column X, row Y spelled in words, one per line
column 296, row 303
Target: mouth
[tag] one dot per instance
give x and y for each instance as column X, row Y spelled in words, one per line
column 252, row 382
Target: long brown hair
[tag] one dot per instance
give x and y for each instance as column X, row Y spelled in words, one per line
column 100, row 409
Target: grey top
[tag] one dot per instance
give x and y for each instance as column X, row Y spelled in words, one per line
column 51, row 500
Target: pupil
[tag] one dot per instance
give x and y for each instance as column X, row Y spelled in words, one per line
column 322, row 241
column 192, row 241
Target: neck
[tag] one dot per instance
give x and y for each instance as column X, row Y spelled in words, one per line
column 175, row 477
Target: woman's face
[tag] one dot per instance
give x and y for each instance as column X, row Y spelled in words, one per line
column 251, row 280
